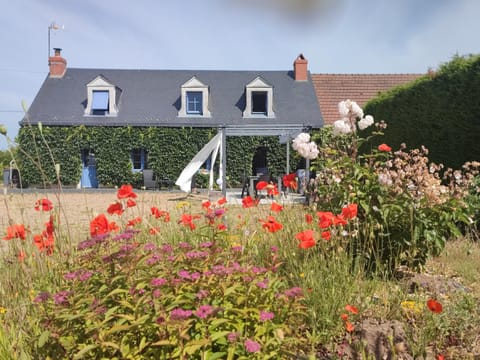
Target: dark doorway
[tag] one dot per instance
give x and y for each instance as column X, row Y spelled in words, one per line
column 259, row 162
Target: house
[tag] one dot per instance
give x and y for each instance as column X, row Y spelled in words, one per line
column 277, row 104
column 155, row 106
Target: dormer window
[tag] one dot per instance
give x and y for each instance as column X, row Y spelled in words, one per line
column 194, row 102
column 194, row 99
column 102, row 98
column 259, row 99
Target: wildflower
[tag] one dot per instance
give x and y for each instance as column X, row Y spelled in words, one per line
column 266, row 315
column 44, row 205
column 439, row 357
column 221, row 227
column 131, row 203
column 206, row 204
column 276, row 207
column 187, row 220
column 348, row 326
column 204, row 311
column 248, row 202
column 41, row 297
column 309, row 218
column 252, row 346
column 434, row 306
column 306, row 239
column 410, row 305
column 351, row 308
column 134, row 221
column 61, row 298
column 154, row 231
column 100, row 225
column 180, row 314
column 350, row 211
column 15, row 231
column 221, row 201
column 384, row 147
column 126, row 191
column 156, row 293
column 158, row 282
column 2, row 310
column 271, row 224
column 21, row 256
column 293, row 292
column 290, row 181
column 262, row 284
column 326, row 235
column 233, row 336
column 115, row 208
column 325, row 219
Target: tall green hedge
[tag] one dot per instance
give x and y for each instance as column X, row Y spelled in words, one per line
column 169, row 151
column 440, row 110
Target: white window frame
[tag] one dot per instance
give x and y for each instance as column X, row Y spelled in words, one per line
column 194, row 85
column 258, row 85
column 101, row 84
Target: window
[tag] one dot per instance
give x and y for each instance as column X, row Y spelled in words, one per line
column 100, row 102
column 194, row 99
column 258, row 99
column 102, row 98
column 139, row 159
column 259, row 102
column 194, row 102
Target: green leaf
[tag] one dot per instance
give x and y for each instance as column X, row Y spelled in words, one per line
column 43, row 338
column 84, row 351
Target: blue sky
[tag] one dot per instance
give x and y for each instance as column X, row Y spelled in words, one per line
column 336, row 36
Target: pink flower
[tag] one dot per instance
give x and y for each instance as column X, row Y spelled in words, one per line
column 266, row 315
column 252, row 346
column 384, row 147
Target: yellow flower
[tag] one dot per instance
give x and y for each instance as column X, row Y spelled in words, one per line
column 182, row 204
column 411, row 306
column 302, row 275
column 2, row 310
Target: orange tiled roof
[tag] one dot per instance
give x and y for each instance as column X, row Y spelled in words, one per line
column 333, row 88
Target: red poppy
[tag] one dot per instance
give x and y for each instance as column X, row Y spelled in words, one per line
column 154, row 231
column 44, row 205
column 352, row 309
column 384, row 147
column 134, row 221
column 339, row 220
column 440, row 357
column 206, row 204
column 434, row 306
column 131, row 203
column 344, row 317
column 15, row 231
column 325, row 219
column 221, row 201
column 187, row 220
column 126, row 191
column 306, row 238
column 46, row 240
column 348, row 326
column 261, row 185
column 248, row 202
column 115, row 208
column 276, row 207
column 100, row 225
column 160, row 213
column 221, row 227
column 290, row 181
column 271, row 224
column 350, row 211
column 309, row 218
column 326, row 235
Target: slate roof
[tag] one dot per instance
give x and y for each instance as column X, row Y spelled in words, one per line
column 152, row 98
column 333, row 88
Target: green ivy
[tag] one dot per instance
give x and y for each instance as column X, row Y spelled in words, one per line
column 169, row 151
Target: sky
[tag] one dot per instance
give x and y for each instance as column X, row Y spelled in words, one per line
column 336, row 36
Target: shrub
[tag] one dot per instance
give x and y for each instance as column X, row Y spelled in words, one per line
column 405, row 211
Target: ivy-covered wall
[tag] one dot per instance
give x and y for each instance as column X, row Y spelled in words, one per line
column 169, row 151
column 440, row 110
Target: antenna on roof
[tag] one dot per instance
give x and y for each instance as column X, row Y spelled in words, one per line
column 53, row 26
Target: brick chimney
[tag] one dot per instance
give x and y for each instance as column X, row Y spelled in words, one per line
column 57, row 64
column 300, row 72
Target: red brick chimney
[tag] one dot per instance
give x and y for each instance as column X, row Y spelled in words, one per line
column 300, row 72
column 57, row 64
